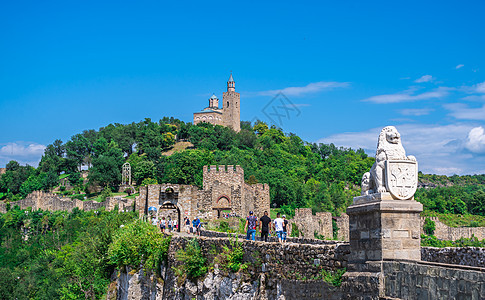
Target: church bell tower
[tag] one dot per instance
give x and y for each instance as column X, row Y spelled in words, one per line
column 231, row 106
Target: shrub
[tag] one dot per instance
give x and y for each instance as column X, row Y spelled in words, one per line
column 139, row 244
column 429, row 226
column 234, row 256
column 193, row 262
column 333, row 277
column 148, row 181
column 294, row 231
column 335, row 229
column 128, row 191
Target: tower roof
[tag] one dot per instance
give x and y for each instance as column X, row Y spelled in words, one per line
column 213, row 96
column 230, row 79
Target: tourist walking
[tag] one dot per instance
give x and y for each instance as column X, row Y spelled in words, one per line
column 285, row 227
column 265, row 222
column 196, row 223
column 278, row 225
column 187, row 224
column 170, row 224
column 250, row 226
column 163, row 223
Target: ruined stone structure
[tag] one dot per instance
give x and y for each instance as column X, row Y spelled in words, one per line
column 310, row 225
column 444, row 232
column 126, row 174
column 2, row 171
column 50, row 201
column 228, row 115
column 224, row 190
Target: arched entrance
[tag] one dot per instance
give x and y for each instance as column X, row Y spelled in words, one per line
column 223, row 204
column 170, row 210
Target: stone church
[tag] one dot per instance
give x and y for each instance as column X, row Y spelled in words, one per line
column 228, row 115
column 224, row 190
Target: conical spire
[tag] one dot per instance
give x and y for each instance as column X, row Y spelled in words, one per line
column 231, row 85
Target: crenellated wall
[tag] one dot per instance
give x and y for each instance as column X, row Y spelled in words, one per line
column 223, row 189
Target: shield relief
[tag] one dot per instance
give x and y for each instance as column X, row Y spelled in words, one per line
column 402, row 178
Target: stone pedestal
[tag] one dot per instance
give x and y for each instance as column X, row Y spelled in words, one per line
column 383, row 228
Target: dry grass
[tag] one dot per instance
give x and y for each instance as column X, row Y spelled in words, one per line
column 180, row 146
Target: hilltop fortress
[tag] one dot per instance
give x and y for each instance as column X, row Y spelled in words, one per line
column 224, row 190
column 228, row 115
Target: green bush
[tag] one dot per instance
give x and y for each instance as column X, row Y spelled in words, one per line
column 139, row 244
column 432, row 241
column 333, row 277
column 429, row 226
column 234, row 256
column 194, row 263
column 294, row 231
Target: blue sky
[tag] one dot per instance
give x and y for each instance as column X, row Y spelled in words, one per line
column 346, row 69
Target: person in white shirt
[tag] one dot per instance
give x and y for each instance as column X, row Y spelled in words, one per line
column 278, row 225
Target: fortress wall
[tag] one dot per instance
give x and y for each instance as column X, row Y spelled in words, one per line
column 51, row 202
column 418, row 280
column 299, row 240
column 444, row 232
column 229, row 175
column 285, row 259
column 468, row 256
column 309, row 224
column 343, row 227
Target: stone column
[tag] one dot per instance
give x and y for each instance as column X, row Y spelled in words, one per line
column 383, row 228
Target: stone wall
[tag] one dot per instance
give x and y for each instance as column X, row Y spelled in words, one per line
column 343, row 227
column 309, row 224
column 276, row 271
column 407, row 280
column 210, row 233
column 51, row 202
column 2, row 171
column 223, row 189
column 444, row 232
column 468, row 256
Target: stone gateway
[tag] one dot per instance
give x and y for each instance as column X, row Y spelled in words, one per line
column 224, row 191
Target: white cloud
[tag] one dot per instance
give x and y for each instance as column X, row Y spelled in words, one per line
column 476, row 140
column 438, row 149
column 480, row 88
column 424, row 78
column 24, row 153
column 313, row 87
column 415, row 111
column 464, row 112
column 407, row 96
column 459, row 66
column 297, row 105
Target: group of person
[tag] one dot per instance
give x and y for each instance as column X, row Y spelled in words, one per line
column 230, row 215
column 196, row 225
column 169, row 225
column 265, row 225
column 165, row 224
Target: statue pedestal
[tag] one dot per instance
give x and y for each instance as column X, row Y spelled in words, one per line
column 383, row 228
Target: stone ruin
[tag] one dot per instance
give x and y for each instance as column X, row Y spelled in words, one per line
column 52, row 202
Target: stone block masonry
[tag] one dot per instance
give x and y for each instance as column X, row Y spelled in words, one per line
column 407, row 280
column 223, row 190
column 466, row 256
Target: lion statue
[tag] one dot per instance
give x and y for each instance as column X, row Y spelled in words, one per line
column 388, row 147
